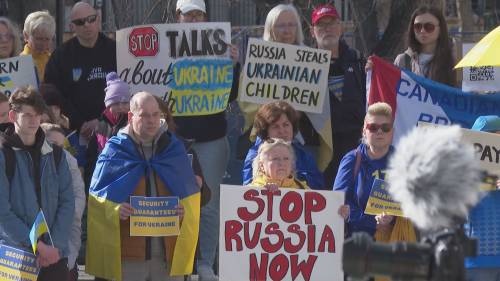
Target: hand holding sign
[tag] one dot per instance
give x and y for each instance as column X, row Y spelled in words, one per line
column 125, row 211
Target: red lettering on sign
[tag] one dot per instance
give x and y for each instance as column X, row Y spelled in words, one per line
column 254, row 240
column 258, row 271
column 288, row 245
column 327, row 237
column 244, row 213
column 278, row 267
column 232, row 228
column 304, row 267
column 314, row 202
column 267, row 246
column 294, row 200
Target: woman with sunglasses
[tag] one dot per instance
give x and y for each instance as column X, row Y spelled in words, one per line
column 429, row 52
column 360, row 167
column 10, row 44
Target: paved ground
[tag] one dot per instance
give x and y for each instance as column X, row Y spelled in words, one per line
column 85, row 277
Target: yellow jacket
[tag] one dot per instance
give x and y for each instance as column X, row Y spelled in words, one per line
column 39, row 60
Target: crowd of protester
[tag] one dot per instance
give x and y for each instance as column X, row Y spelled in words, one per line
column 80, row 91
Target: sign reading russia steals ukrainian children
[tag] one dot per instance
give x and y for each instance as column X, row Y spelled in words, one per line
column 17, row 265
column 17, row 72
column 154, row 216
column 295, row 74
column 289, row 234
column 188, row 64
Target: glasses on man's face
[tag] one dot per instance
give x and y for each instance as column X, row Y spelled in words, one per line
column 428, row 27
column 82, row 21
column 374, row 127
column 6, row 37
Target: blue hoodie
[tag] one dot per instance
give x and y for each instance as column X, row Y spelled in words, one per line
column 357, row 188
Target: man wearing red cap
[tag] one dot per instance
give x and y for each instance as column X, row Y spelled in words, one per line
column 346, row 83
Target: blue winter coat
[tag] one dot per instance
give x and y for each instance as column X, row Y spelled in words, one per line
column 357, row 188
column 18, row 200
column 305, row 165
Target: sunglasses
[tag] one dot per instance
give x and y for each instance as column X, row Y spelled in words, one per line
column 89, row 19
column 428, row 27
column 373, row 127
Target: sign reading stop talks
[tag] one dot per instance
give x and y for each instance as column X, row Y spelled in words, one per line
column 143, row 42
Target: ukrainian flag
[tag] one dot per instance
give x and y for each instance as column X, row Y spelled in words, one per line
column 38, row 229
column 118, row 171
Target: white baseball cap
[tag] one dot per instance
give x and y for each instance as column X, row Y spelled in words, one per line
column 189, row 5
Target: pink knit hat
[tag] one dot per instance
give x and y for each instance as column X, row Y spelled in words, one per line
column 116, row 90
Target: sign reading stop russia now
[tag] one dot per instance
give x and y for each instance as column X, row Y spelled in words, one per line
column 286, row 235
column 188, row 65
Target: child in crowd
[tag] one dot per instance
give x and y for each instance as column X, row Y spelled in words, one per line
column 55, row 135
column 53, row 99
column 113, row 118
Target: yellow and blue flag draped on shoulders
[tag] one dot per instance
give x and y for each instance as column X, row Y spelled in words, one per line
column 38, row 229
column 118, row 171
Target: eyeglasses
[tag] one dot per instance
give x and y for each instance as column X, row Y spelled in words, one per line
column 373, row 127
column 428, row 27
column 284, row 26
column 6, row 37
column 82, row 21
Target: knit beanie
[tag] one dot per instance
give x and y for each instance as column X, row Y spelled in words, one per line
column 116, row 90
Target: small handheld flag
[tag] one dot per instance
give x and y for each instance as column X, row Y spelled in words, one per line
column 39, row 229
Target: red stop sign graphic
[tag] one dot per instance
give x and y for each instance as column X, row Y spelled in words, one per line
column 143, row 42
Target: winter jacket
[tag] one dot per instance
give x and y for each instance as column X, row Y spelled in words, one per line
column 357, row 188
column 26, row 193
column 305, row 166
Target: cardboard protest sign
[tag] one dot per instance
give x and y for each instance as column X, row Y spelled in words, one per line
column 295, row 74
column 481, row 78
column 487, row 146
column 154, row 216
column 17, row 265
column 380, row 201
column 186, row 64
column 286, row 235
column 17, row 72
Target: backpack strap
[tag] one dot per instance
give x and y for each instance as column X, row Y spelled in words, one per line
column 10, row 162
column 57, row 151
column 407, row 62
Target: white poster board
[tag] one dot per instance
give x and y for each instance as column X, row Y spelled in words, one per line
column 188, row 64
column 17, row 72
column 482, row 78
column 288, row 235
column 295, row 74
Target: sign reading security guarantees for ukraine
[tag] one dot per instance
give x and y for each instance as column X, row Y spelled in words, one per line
column 295, row 74
column 154, row 216
column 188, row 64
column 17, row 72
column 380, row 201
column 290, row 234
column 17, row 265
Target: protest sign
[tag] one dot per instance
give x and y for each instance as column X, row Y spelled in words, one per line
column 17, row 72
column 380, row 201
column 188, row 65
column 486, row 145
column 17, row 265
column 295, row 74
column 154, row 216
column 290, row 234
column 480, row 78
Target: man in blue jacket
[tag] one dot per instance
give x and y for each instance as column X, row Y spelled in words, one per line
column 39, row 181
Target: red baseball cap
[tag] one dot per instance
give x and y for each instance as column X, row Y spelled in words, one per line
column 323, row 10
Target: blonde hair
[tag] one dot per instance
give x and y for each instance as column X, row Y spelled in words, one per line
column 273, row 15
column 264, row 148
column 16, row 39
column 379, row 109
column 40, row 20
